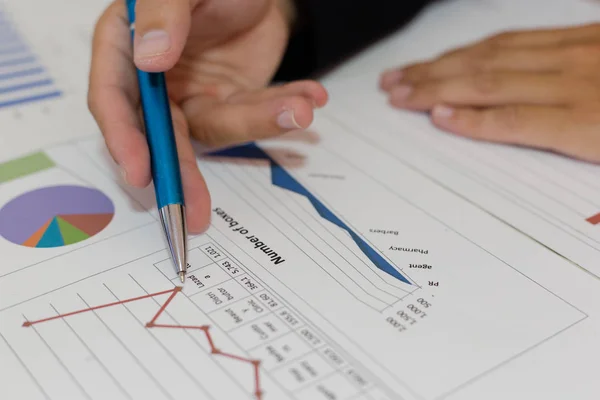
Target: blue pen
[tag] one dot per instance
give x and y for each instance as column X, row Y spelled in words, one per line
column 164, row 159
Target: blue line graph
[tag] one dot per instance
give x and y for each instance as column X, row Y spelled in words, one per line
column 282, row 179
column 22, row 78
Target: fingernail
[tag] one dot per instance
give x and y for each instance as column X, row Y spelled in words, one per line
column 153, row 43
column 286, row 120
column 391, row 77
column 442, row 112
column 206, row 227
column 400, row 93
column 124, row 175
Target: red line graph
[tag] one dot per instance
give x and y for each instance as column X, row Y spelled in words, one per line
column 152, row 324
column 594, row 219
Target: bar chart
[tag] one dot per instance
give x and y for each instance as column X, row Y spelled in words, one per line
column 23, row 78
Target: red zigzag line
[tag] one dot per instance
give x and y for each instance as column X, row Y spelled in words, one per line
column 152, row 324
column 594, row 219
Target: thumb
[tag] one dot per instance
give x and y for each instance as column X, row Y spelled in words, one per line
column 161, row 31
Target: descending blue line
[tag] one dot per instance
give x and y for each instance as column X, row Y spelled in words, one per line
column 30, row 99
column 17, row 61
column 282, row 179
column 24, row 86
column 19, row 74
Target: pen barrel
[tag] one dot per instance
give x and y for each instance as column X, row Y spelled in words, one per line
column 131, row 10
column 160, row 136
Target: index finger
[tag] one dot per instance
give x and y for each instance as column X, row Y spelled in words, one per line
column 113, row 95
column 543, row 37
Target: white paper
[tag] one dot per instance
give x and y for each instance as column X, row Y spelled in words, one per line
column 367, row 258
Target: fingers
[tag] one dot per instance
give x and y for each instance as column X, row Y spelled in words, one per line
column 531, row 88
column 197, row 197
column 391, row 77
column 161, row 31
column 545, row 37
column 532, row 126
column 492, row 89
column 558, row 129
column 312, row 90
column 254, row 115
column 485, row 60
column 542, row 50
column 223, row 124
column 123, row 137
column 113, row 98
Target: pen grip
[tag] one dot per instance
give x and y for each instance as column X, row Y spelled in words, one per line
column 160, row 135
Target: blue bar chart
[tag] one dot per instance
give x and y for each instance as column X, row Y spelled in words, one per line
column 23, row 78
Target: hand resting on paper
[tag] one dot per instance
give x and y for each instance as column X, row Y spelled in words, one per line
column 533, row 88
column 220, row 56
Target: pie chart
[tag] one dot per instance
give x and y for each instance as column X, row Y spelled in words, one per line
column 55, row 216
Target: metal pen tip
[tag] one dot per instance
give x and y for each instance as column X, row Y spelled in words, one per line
column 173, row 221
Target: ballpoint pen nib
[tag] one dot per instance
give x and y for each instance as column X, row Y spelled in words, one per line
column 173, row 221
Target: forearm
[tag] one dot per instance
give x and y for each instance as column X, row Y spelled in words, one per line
column 327, row 31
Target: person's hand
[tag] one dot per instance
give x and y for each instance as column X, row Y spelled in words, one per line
column 219, row 56
column 536, row 88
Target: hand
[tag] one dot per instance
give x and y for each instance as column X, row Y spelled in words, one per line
column 219, row 56
column 532, row 88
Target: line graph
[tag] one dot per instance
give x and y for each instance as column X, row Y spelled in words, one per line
column 152, row 324
column 594, row 219
column 135, row 332
column 282, row 179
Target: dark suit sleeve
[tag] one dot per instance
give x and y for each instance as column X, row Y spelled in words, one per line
column 329, row 31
